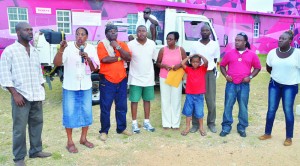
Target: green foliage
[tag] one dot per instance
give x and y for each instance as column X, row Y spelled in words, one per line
column 263, row 59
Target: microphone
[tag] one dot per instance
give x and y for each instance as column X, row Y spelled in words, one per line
column 81, row 48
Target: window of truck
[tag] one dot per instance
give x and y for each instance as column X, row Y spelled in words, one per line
column 193, row 30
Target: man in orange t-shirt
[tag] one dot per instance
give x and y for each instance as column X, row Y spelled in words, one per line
column 113, row 56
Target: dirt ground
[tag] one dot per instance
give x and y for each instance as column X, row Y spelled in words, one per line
column 162, row 147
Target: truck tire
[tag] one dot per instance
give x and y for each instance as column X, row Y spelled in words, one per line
column 95, row 89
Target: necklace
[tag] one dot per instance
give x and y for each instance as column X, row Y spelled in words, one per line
column 285, row 51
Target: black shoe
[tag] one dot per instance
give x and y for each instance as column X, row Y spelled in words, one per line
column 242, row 133
column 41, row 155
column 223, row 134
column 194, row 129
column 20, row 163
column 212, row 128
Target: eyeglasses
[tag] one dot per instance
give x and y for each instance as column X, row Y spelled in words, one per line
column 80, row 34
column 146, row 12
column 169, row 39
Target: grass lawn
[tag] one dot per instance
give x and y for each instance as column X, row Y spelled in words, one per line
column 161, row 147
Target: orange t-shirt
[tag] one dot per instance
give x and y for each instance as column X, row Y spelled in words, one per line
column 113, row 72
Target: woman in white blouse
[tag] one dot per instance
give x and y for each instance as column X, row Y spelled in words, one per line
column 79, row 59
column 283, row 63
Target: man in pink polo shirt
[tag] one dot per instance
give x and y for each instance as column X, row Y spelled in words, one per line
column 236, row 66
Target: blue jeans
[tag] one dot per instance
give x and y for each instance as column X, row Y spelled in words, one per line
column 288, row 94
column 233, row 92
column 110, row 92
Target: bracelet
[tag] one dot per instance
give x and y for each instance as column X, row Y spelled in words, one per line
column 60, row 52
column 226, row 75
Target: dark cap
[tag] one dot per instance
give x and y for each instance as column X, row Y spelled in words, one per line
column 109, row 27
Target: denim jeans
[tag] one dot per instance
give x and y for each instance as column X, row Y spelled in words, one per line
column 288, row 94
column 233, row 92
column 110, row 92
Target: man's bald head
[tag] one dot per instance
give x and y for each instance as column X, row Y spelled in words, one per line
column 21, row 25
column 205, row 32
column 205, row 26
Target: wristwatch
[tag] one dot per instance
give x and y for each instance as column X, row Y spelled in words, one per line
column 250, row 77
column 118, row 47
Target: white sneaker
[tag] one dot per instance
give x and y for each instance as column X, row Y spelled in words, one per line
column 135, row 128
column 148, row 127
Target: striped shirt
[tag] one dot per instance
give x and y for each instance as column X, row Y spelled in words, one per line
column 22, row 72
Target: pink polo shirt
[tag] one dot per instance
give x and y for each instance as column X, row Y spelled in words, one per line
column 239, row 65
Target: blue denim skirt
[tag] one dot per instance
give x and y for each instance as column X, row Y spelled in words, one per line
column 77, row 108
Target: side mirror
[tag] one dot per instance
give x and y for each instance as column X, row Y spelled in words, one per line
column 225, row 40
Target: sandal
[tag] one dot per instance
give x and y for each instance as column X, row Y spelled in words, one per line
column 87, row 144
column 72, row 148
column 184, row 133
column 202, row 133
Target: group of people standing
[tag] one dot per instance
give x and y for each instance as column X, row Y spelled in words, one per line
column 21, row 74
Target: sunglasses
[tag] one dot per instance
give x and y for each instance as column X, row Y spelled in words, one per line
column 242, row 34
column 147, row 12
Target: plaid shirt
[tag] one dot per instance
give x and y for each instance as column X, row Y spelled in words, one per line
column 22, row 72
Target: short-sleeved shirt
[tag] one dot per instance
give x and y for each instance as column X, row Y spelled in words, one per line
column 285, row 70
column 141, row 70
column 141, row 21
column 195, row 83
column 22, row 71
column 210, row 51
column 75, row 76
column 240, row 65
column 114, row 72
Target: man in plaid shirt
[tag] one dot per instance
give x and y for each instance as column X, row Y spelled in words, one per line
column 21, row 75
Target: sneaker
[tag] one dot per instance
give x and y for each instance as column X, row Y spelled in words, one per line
column 264, row 137
column 148, row 127
column 194, row 129
column 103, row 136
column 126, row 132
column 287, row 142
column 242, row 133
column 212, row 128
column 41, row 155
column 135, row 128
column 223, row 134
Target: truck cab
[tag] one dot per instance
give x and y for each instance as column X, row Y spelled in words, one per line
column 187, row 25
column 189, row 28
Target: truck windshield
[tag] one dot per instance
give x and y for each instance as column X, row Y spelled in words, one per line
column 193, row 30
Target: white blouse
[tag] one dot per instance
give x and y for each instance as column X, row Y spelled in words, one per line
column 285, row 70
column 75, row 75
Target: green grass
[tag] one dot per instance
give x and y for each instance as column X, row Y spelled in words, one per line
column 263, row 59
